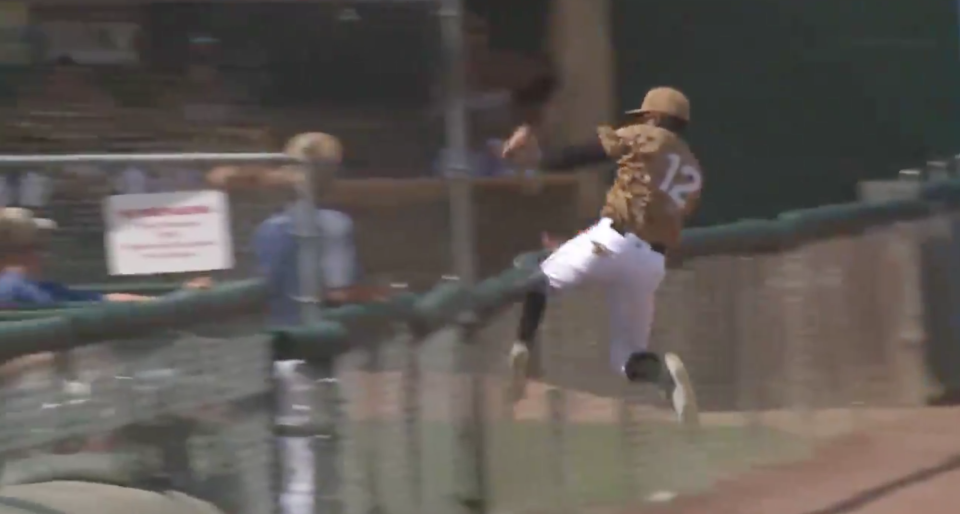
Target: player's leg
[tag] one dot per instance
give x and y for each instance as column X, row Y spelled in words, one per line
column 632, row 306
column 591, row 255
column 296, row 454
column 531, row 315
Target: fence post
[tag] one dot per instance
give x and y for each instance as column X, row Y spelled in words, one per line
column 557, row 405
column 457, row 141
column 473, row 493
column 325, row 444
column 628, row 427
column 308, row 243
column 370, row 434
column 412, row 412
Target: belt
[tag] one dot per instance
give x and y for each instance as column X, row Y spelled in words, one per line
column 657, row 247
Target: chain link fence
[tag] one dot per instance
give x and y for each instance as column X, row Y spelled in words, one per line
column 186, row 404
column 786, row 351
column 793, row 337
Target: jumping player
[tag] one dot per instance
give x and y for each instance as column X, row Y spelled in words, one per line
column 657, row 186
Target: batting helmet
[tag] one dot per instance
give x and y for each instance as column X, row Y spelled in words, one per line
column 665, row 100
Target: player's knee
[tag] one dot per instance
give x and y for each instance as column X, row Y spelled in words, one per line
column 540, row 281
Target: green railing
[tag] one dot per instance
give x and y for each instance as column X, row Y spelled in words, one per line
column 797, row 330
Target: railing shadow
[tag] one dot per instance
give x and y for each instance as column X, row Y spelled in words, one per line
column 878, row 493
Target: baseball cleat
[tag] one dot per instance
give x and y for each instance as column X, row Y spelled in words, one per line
column 678, row 389
column 519, row 361
column 643, row 367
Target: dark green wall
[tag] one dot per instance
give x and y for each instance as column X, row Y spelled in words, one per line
column 796, row 101
column 391, row 55
column 516, row 25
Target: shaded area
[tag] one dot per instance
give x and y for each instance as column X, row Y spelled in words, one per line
column 530, row 469
column 879, row 493
column 886, row 468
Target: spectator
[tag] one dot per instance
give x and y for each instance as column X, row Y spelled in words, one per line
column 26, row 189
column 204, row 96
column 275, row 244
column 68, row 85
column 141, row 179
column 21, row 243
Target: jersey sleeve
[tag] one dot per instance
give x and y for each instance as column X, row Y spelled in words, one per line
column 613, row 144
column 574, row 156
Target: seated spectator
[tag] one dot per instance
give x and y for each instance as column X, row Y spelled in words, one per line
column 67, row 85
column 25, row 188
column 205, row 96
column 22, row 239
column 142, row 179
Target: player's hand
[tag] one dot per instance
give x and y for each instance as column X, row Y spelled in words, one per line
column 523, row 148
column 521, row 138
column 550, row 242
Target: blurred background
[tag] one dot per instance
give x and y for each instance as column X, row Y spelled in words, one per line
column 794, row 103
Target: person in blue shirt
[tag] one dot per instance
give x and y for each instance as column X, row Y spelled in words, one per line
column 275, row 242
column 276, row 245
column 21, row 239
column 22, row 236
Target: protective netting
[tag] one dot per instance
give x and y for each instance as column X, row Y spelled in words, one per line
column 76, row 251
column 203, row 78
column 795, row 331
column 405, row 397
column 190, row 404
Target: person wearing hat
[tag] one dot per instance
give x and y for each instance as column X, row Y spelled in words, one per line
column 657, row 186
column 22, row 237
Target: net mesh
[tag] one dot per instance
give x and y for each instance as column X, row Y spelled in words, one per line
column 192, row 404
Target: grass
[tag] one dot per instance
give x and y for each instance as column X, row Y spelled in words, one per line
column 532, row 468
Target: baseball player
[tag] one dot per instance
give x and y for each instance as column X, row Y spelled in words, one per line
column 657, row 186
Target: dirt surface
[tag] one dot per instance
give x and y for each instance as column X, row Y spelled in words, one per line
column 869, row 462
column 908, row 465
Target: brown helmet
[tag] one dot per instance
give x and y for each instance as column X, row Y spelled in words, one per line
column 665, row 100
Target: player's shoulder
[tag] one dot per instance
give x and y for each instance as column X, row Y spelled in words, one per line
column 675, row 144
column 681, row 146
column 644, row 138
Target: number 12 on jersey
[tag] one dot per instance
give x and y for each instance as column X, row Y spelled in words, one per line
column 679, row 188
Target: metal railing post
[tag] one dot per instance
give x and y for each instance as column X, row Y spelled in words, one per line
column 463, row 235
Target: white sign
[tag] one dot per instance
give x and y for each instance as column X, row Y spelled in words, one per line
column 168, row 233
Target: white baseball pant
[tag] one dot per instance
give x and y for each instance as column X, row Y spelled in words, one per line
column 296, row 496
column 626, row 268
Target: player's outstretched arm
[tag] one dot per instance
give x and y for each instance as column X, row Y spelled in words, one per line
column 524, row 148
column 574, row 156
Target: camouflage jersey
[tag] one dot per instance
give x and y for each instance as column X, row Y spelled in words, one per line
column 658, row 182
